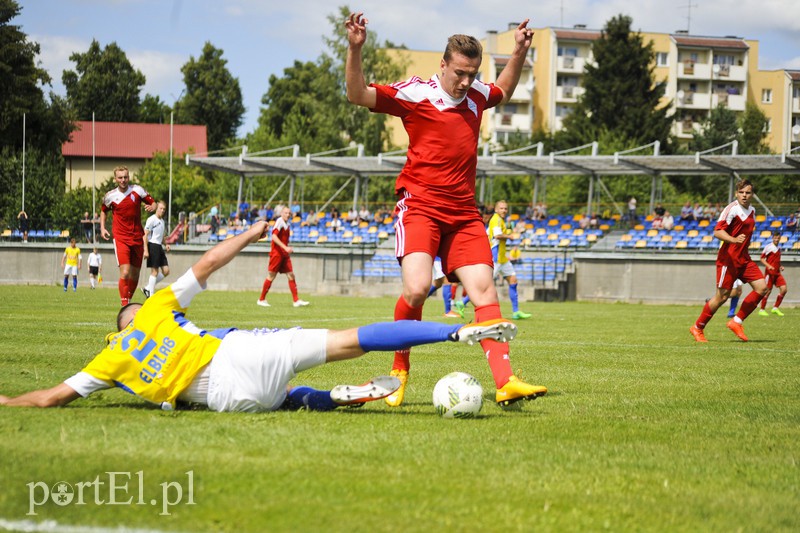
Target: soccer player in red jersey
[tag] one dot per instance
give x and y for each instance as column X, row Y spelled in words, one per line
column 771, row 259
column 436, row 211
column 125, row 203
column 280, row 260
column 734, row 228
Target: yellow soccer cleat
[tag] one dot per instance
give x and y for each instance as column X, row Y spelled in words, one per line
column 516, row 390
column 776, row 311
column 395, row 399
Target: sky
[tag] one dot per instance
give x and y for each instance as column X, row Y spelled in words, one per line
column 263, row 37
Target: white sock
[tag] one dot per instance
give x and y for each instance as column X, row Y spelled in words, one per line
column 159, row 277
column 151, row 285
column 92, row 281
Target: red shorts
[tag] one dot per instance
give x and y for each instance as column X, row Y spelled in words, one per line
column 457, row 236
column 775, row 280
column 281, row 264
column 129, row 254
column 727, row 274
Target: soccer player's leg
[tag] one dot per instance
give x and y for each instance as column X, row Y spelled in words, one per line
column 781, row 294
column 725, row 280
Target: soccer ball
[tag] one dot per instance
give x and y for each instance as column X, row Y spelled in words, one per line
column 458, row 395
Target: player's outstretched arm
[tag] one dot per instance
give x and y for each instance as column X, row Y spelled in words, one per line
column 56, row 396
column 509, row 77
column 222, row 254
column 357, row 90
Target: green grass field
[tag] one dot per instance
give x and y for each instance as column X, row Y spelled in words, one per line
column 643, row 430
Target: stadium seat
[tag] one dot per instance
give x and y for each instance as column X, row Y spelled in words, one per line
column 373, row 229
column 313, row 234
column 754, row 245
column 383, row 235
column 707, row 238
column 591, row 238
column 765, row 234
column 679, row 227
column 553, row 222
column 604, row 227
column 577, row 232
column 681, row 245
column 703, row 223
column 666, row 238
column 64, row 234
column 565, row 242
column 6, row 233
column 776, row 224
column 322, row 239
column 641, row 244
column 761, row 218
column 358, row 239
column 692, row 233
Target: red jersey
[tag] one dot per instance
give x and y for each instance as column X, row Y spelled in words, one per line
column 127, row 208
column 736, row 220
column 282, row 231
column 772, row 255
column 443, row 134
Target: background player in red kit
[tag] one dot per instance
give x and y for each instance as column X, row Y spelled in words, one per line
column 125, row 203
column 280, row 260
column 436, row 212
column 734, row 228
column 771, row 259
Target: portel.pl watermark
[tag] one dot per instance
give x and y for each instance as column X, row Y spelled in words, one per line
column 112, row 488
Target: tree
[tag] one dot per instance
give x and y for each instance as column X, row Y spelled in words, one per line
column 720, row 127
column 153, row 110
column 104, row 82
column 621, row 97
column 753, row 126
column 213, row 97
column 47, row 124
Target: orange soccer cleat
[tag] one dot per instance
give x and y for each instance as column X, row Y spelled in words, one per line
column 698, row 334
column 737, row 329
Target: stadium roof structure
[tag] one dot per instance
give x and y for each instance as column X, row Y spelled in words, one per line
column 133, row 140
column 510, row 164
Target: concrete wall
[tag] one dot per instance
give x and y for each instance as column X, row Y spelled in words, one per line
column 602, row 277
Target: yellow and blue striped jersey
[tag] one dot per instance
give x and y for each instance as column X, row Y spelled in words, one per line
column 497, row 226
column 72, row 255
column 160, row 352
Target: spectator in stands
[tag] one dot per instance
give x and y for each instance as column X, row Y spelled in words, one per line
column 713, row 211
column 215, row 223
column 791, row 222
column 244, row 210
column 542, row 211
column 659, row 210
column 87, row 226
column 311, row 219
column 687, row 213
column 583, row 223
column 23, row 225
column 633, row 219
column 658, row 221
column 295, row 209
column 594, row 222
column 698, row 212
column 364, row 215
column 270, row 214
column 668, row 222
column 254, row 214
column 530, row 212
column 352, row 216
column 336, row 222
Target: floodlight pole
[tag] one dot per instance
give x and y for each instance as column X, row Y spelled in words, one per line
column 23, row 161
column 169, row 202
column 94, row 184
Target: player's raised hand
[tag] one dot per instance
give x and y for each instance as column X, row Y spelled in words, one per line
column 356, row 26
column 523, row 35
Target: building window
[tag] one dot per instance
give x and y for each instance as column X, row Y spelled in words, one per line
column 563, row 110
column 724, row 60
column 662, row 59
column 766, row 96
column 567, row 52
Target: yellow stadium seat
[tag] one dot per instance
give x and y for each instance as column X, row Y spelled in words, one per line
column 7, row 233
column 679, row 227
column 296, row 220
column 388, row 220
column 383, row 235
column 540, row 231
column 641, row 244
column 639, row 227
column 363, row 224
column 649, row 218
column 322, row 239
column 514, row 217
column 765, row 234
column 692, row 233
column 796, row 246
column 681, row 245
column 652, row 232
column 373, row 229
column 776, row 224
column 552, row 237
column 564, row 242
column 357, row 240
column 616, row 217
column 553, row 222
column 347, row 234
column 320, row 215
column 577, row 231
column 626, row 237
column 566, row 227
column 577, row 217
column 666, row 238
column 526, row 242
column 65, row 234
column 221, row 232
column 604, row 227
column 707, row 238
column 591, row 238
column 784, row 239
column 761, row 218
column 313, row 234
column 754, row 245
column 703, row 224
column 528, row 226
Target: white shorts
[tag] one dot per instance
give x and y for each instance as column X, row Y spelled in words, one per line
column 438, row 273
column 737, row 283
column 504, row 269
column 70, row 270
column 251, row 369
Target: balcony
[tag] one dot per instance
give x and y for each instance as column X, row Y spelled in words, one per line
column 687, row 69
column 568, row 93
column 795, row 105
column 729, row 72
column 693, row 100
column 570, row 64
column 734, row 102
column 511, row 122
column 686, row 128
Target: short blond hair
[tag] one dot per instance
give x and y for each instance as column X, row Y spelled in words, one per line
column 121, row 168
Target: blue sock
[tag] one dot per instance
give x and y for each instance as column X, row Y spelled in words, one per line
column 734, row 303
column 432, row 290
column 512, row 293
column 313, row 399
column 403, row 334
column 447, row 295
column 66, row 282
column 465, row 300
column 74, row 282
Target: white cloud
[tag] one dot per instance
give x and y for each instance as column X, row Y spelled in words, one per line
column 54, row 55
column 162, row 71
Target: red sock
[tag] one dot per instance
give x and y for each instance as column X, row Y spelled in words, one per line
column 764, row 303
column 132, row 284
column 704, row 318
column 122, row 286
column 496, row 352
column 403, row 311
column 749, row 305
column 265, row 288
column 778, row 301
column 293, row 289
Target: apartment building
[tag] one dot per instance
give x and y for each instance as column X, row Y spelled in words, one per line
column 700, row 73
